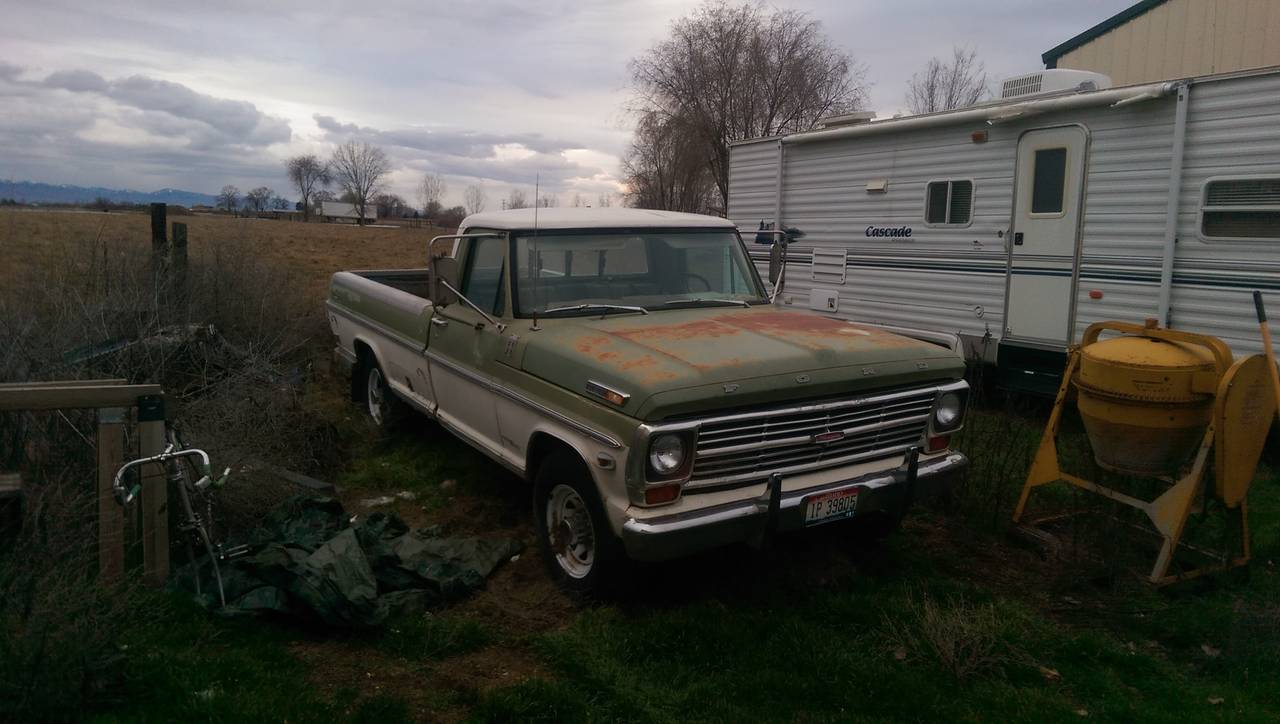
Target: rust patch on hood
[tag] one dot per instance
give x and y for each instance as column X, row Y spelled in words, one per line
column 815, row 331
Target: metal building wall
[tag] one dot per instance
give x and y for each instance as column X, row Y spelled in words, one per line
column 1184, row 38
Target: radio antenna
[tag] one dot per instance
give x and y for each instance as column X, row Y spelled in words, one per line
column 537, row 259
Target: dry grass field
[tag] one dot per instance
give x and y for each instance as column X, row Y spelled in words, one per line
column 31, row 239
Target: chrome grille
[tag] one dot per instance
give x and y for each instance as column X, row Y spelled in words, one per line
column 748, row 447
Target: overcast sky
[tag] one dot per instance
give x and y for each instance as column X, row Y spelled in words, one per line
column 147, row 95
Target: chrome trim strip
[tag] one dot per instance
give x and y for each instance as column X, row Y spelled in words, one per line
column 379, row 327
column 826, row 406
column 516, row 397
column 598, row 389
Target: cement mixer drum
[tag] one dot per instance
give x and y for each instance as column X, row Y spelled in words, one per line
column 1146, row 401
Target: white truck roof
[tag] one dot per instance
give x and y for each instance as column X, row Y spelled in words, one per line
column 585, row 218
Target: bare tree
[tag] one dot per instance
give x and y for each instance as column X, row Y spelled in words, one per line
column 730, row 72
column 664, row 169
column 430, row 190
column 258, row 199
column 548, row 200
column 359, row 168
column 308, row 174
column 474, row 198
column 577, row 200
column 516, row 200
column 391, row 206
column 941, row 87
column 279, row 203
column 229, row 198
column 605, row 201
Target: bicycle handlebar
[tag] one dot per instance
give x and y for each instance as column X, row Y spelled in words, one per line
column 125, row 497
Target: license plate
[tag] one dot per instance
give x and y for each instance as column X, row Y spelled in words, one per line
column 826, row 507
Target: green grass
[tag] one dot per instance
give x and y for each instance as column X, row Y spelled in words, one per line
column 432, row 637
column 420, row 457
column 186, row 666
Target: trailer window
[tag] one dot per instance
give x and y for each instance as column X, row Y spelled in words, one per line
column 948, row 202
column 1241, row 209
column 1049, row 181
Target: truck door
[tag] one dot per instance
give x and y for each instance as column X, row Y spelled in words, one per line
column 463, row 346
column 1042, row 251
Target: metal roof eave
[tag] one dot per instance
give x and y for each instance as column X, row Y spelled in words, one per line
column 992, row 114
column 1050, row 57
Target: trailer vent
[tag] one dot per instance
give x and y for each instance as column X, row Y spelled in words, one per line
column 1022, row 85
column 828, row 265
column 1241, row 209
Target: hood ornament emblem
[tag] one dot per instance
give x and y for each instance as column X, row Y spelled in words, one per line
column 730, row 388
column 801, row 379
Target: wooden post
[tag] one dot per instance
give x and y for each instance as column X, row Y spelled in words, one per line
column 178, row 263
column 110, row 515
column 155, row 495
column 159, row 256
column 158, row 240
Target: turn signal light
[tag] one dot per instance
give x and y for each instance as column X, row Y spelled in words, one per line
column 661, row 494
column 938, row 443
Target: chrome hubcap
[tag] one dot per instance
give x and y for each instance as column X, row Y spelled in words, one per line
column 373, row 394
column 569, row 528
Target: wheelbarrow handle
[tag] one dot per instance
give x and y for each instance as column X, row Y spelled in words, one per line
column 1258, row 305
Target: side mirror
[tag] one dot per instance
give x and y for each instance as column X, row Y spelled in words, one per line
column 443, row 270
column 775, row 262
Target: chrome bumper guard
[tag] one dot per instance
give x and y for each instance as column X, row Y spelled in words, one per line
column 754, row 520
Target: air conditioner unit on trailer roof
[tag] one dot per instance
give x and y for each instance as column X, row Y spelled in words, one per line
column 1053, row 80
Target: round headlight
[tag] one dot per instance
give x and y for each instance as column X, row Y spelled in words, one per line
column 666, row 454
column 948, row 410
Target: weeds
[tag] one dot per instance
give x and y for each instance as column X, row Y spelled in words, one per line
column 962, row 638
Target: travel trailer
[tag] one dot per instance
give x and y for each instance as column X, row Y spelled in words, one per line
column 1018, row 222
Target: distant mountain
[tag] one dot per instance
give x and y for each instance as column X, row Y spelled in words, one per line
column 41, row 193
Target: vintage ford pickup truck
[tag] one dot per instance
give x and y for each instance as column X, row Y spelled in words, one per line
column 631, row 365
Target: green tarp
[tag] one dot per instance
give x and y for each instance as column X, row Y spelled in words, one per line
column 309, row 559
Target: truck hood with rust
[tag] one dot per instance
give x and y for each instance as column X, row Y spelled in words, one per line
column 680, row 362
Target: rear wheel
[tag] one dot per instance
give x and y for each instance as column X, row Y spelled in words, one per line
column 579, row 548
column 384, row 408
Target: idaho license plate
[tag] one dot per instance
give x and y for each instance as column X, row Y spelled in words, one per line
column 826, row 507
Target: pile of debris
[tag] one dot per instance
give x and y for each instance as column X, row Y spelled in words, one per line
column 310, row 559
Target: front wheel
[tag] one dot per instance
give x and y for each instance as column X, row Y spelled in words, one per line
column 580, row 550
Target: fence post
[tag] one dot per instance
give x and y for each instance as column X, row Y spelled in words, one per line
column 155, row 496
column 110, row 515
column 178, row 263
column 159, row 253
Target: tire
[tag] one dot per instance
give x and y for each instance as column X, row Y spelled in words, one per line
column 380, row 402
column 579, row 548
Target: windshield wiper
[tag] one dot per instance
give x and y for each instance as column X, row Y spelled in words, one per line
column 605, row 308
column 716, row 302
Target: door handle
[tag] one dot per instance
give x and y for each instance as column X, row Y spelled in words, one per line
column 440, row 321
column 1017, row 238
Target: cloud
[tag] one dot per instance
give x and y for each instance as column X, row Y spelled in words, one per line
column 77, row 81
column 218, row 121
column 514, row 158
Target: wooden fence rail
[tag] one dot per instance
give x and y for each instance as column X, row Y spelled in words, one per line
column 112, row 400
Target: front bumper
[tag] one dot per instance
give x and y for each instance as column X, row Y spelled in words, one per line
column 891, row 491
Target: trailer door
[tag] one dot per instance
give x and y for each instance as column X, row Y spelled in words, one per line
column 1046, row 221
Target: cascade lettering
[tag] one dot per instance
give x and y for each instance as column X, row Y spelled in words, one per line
column 888, row 231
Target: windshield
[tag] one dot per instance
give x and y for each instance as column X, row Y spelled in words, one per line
column 654, row 270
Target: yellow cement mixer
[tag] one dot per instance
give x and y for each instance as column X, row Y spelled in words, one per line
column 1156, row 402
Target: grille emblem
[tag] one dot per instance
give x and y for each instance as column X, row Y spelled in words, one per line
column 829, row 436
